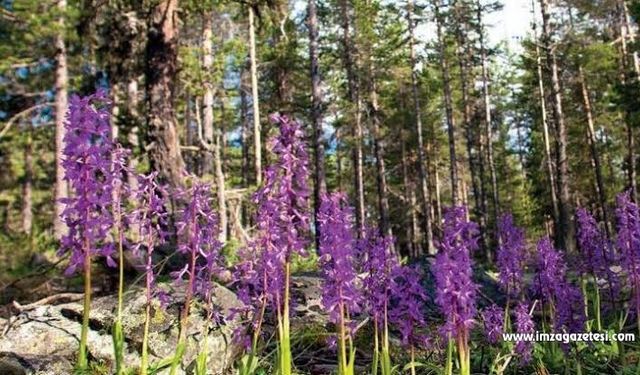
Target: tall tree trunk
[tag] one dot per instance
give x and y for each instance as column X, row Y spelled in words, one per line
column 448, row 104
column 61, row 104
column 191, row 136
column 565, row 230
column 220, row 185
column 212, row 138
column 378, row 150
column 161, row 70
column 257, row 143
column 27, row 185
column 411, row 231
column 463, row 55
column 627, row 33
column 244, row 134
column 487, row 116
column 316, row 115
column 207, row 99
column 354, row 95
column 545, row 128
column 132, row 135
column 374, row 116
column 422, row 158
column 593, row 146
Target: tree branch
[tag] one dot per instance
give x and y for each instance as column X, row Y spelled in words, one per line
column 20, row 114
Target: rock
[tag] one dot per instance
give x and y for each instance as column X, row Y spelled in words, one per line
column 45, row 340
column 307, row 298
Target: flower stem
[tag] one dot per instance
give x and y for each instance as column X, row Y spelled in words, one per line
column 463, row 354
column 285, row 344
column 449, row 365
column 597, row 304
column 82, row 354
column 413, row 361
column 343, row 342
column 144, row 360
column 118, row 338
column 376, row 350
column 184, row 320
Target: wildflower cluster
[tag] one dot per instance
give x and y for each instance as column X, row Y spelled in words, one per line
column 456, row 291
column 511, row 255
column 340, row 294
column 88, row 169
column 524, row 324
column 493, row 318
column 363, row 280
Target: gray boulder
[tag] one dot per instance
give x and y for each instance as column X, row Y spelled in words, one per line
column 44, row 339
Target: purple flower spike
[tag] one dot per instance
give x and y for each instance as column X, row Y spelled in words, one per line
column 493, row 318
column 198, row 233
column 456, row 291
column 550, row 270
column 379, row 264
column 336, row 252
column 283, row 222
column 524, row 325
column 88, row 169
column 408, row 298
column 150, row 219
column 628, row 243
column 593, row 244
column 569, row 309
column 511, row 255
column 552, row 287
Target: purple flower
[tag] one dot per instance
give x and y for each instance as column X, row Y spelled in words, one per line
column 552, row 286
column 378, row 264
column 595, row 248
column 524, row 325
column 569, row 306
column 511, row 255
column 150, row 220
column 198, row 232
column 282, row 224
column 408, row 298
column 596, row 251
column 456, row 291
column 550, row 270
column 628, row 243
column 493, row 318
column 88, row 169
column 340, row 294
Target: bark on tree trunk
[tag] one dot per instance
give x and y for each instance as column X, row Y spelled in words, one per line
column 545, row 130
column 425, row 195
column 319, row 187
column 463, row 55
column 448, row 104
column 132, row 136
column 257, row 143
column 161, row 70
column 61, row 104
column 627, row 33
column 207, row 99
column 244, row 119
column 212, row 161
column 378, row 146
column 595, row 157
column 354, row 95
column 409, row 192
column 565, row 230
column 487, row 117
column 220, row 186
